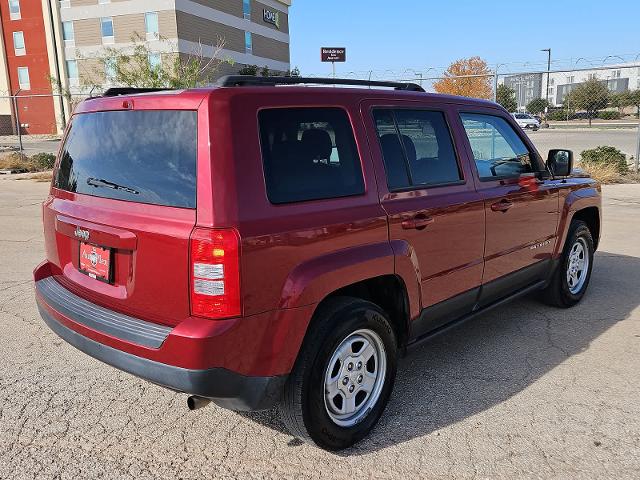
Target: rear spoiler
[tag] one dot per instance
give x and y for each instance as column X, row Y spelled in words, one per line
column 117, row 91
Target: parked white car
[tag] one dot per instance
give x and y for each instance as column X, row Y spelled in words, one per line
column 526, row 121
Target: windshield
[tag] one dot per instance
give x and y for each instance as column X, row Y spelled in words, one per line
column 139, row 156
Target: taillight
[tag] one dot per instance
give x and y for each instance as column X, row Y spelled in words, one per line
column 215, row 273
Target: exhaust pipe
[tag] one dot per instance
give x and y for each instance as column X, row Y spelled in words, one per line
column 194, row 402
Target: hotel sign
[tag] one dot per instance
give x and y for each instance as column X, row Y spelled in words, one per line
column 333, row 54
column 269, row 16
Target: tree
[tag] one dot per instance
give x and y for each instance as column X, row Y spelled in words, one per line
column 293, row 73
column 629, row 98
column 537, row 106
column 506, row 97
column 469, row 77
column 590, row 96
column 265, row 72
column 134, row 67
column 249, row 70
column 634, row 99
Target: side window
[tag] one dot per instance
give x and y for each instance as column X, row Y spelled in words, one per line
column 497, row 149
column 416, row 147
column 309, row 154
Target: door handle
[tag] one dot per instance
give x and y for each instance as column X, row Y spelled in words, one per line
column 417, row 223
column 501, row 206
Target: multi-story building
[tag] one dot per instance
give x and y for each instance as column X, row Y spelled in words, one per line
column 529, row 86
column 526, row 86
column 618, row 78
column 63, row 43
column 26, row 58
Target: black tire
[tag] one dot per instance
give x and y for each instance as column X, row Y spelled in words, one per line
column 558, row 292
column 302, row 408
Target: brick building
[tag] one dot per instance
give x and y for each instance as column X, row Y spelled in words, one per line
column 57, row 42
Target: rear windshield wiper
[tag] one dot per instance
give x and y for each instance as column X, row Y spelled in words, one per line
column 99, row 182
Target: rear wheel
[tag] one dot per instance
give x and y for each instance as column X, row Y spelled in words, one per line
column 344, row 374
column 571, row 278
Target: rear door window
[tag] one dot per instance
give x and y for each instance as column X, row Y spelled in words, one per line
column 140, row 156
column 309, row 154
column 417, row 148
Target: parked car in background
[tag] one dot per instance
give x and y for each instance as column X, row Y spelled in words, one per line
column 258, row 246
column 526, row 121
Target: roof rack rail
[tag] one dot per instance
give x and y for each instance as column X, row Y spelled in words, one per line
column 117, row 91
column 250, row 80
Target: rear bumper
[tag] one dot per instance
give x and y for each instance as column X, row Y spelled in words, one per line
column 240, row 363
column 226, row 388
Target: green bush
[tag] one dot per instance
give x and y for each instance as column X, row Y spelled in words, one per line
column 609, row 115
column 44, row 161
column 558, row 115
column 606, row 155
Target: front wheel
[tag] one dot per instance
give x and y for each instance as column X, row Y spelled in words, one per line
column 344, row 374
column 570, row 280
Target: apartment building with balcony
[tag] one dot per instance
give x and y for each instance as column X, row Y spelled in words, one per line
column 65, row 40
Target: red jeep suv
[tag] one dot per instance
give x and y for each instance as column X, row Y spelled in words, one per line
column 264, row 243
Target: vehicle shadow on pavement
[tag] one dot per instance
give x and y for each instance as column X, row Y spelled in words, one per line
column 495, row 356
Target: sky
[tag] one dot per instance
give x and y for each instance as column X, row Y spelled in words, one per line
column 392, row 36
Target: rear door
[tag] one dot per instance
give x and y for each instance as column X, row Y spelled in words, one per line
column 123, row 204
column 521, row 209
column 427, row 190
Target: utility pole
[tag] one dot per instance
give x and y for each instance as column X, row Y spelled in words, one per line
column 17, row 113
column 546, row 94
column 548, row 50
column 636, row 161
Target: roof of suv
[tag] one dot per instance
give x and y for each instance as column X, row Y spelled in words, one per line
column 123, row 98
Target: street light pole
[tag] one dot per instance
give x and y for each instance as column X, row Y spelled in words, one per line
column 548, row 50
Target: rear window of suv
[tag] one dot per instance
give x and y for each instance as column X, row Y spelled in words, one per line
column 140, row 156
column 309, row 154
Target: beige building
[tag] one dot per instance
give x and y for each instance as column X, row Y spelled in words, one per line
column 254, row 32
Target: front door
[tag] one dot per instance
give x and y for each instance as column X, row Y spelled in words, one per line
column 521, row 209
column 432, row 205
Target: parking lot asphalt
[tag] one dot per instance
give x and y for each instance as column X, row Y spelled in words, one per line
column 525, row 391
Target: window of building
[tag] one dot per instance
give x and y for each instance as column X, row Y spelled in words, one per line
column 552, row 81
column 248, row 42
column 309, row 154
column 14, row 9
column 106, row 26
column 571, row 79
column 416, row 148
column 68, row 33
column 155, row 61
column 617, row 74
column 246, row 9
column 592, row 76
column 497, row 149
column 102, row 2
column 23, row 78
column 151, row 25
column 18, row 44
column 550, row 91
column 65, row 3
column 72, row 70
column 110, row 69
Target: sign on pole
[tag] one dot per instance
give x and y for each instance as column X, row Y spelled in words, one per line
column 333, row 54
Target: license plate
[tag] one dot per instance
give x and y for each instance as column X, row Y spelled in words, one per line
column 95, row 261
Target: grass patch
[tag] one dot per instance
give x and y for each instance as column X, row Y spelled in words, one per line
column 19, row 162
column 607, row 165
column 605, row 173
column 38, row 177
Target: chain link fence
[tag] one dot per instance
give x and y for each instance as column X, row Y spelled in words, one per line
column 556, row 106
column 34, row 122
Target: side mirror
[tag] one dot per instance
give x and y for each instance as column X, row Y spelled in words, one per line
column 560, row 162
